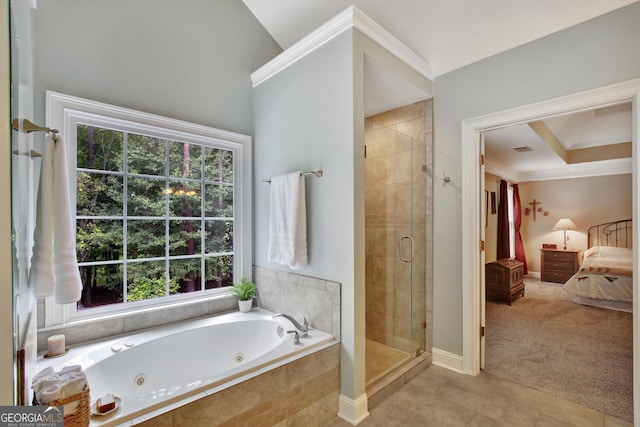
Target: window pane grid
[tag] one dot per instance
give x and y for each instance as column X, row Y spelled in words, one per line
column 125, row 209
column 178, row 189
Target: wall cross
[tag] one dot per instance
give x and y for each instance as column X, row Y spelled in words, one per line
column 534, row 204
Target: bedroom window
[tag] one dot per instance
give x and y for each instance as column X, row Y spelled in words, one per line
column 159, row 209
column 512, row 228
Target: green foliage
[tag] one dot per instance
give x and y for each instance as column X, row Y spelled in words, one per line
column 170, row 184
column 145, row 288
column 244, row 290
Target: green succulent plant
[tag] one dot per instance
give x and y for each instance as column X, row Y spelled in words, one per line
column 244, row 290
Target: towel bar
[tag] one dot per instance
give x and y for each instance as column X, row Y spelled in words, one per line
column 29, row 127
column 316, row 173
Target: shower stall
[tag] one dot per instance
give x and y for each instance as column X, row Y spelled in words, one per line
column 398, row 199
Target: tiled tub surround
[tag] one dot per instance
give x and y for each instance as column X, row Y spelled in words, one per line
column 316, row 299
column 301, row 393
column 83, row 331
column 395, row 139
column 198, row 359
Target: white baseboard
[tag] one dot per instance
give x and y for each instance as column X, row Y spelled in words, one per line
column 535, row 274
column 353, row 411
column 447, row 360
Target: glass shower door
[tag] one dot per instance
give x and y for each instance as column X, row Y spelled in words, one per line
column 395, row 240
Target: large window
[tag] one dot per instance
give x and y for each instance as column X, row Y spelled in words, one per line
column 154, row 216
column 159, row 207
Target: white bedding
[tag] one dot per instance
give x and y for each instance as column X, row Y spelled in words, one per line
column 605, row 274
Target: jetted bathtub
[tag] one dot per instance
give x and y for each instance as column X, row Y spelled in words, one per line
column 179, row 363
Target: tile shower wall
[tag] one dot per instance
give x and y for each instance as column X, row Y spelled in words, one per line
column 395, row 140
column 318, row 300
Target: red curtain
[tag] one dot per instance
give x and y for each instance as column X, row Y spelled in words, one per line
column 503, row 222
column 517, row 221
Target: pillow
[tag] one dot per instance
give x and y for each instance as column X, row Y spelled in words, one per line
column 592, row 252
column 613, row 252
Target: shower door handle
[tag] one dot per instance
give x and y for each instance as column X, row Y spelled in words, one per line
column 400, row 247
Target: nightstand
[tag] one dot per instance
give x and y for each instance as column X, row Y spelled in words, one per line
column 558, row 265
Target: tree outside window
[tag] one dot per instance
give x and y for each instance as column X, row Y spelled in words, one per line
column 155, row 217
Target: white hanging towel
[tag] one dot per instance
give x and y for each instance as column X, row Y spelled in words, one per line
column 54, row 266
column 288, row 221
column 41, row 272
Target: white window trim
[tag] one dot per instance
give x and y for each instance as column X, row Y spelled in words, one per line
column 63, row 112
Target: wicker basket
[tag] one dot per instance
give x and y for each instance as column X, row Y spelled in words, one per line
column 82, row 415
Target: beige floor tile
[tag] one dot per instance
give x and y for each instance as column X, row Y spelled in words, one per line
column 610, row 421
column 382, row 359
column 440, row 397
column 546, row 420
column 434, row 406
column 492, row 403
column 480, row 420
column 337, row 422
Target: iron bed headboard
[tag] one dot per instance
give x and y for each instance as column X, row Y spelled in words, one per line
column 615, row 233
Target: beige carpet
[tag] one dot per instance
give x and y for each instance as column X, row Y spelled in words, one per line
column 579, row 353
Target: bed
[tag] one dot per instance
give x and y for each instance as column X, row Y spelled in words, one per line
column 605, row 275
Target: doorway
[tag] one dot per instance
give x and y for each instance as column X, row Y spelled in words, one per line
column 397, row 185
column 472, row 267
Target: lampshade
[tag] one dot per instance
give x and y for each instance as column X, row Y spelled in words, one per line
column 564, row 224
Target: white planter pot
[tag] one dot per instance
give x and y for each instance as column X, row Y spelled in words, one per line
column 245, row 306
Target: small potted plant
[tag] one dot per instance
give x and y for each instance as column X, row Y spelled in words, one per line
column 245, row 291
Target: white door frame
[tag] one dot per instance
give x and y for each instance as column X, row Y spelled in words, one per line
column 471, row 207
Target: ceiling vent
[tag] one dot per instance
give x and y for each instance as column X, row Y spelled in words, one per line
column 523, row 149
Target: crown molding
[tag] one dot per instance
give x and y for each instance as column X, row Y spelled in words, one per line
column 580, row 170
column 351, row 17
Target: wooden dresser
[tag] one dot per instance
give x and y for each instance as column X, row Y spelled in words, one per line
column 504, row 280
column 558, row 265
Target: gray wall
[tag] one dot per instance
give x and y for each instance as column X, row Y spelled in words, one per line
column 596, row 53
column 304, row 121
column 189, row 59
column 311, row 116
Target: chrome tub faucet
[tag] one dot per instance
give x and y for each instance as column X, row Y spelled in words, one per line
column 302, row 327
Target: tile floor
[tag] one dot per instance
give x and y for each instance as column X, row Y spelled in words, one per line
column 380, row 360
column 439, row 397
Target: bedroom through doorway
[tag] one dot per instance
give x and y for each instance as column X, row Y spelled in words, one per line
column 473, row 195
column 545, row 340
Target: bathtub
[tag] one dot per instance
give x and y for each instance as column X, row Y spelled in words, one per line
column 162, row 368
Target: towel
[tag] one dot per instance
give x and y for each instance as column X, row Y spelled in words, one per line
column 71, row 369
column 288, row 221
column 41, row 273
column 54, row 267
column 43, row 373
column 45, row 382
column 65, row 383
column 50, row 394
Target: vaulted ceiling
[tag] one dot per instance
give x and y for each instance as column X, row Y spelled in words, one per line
column 454, row 33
